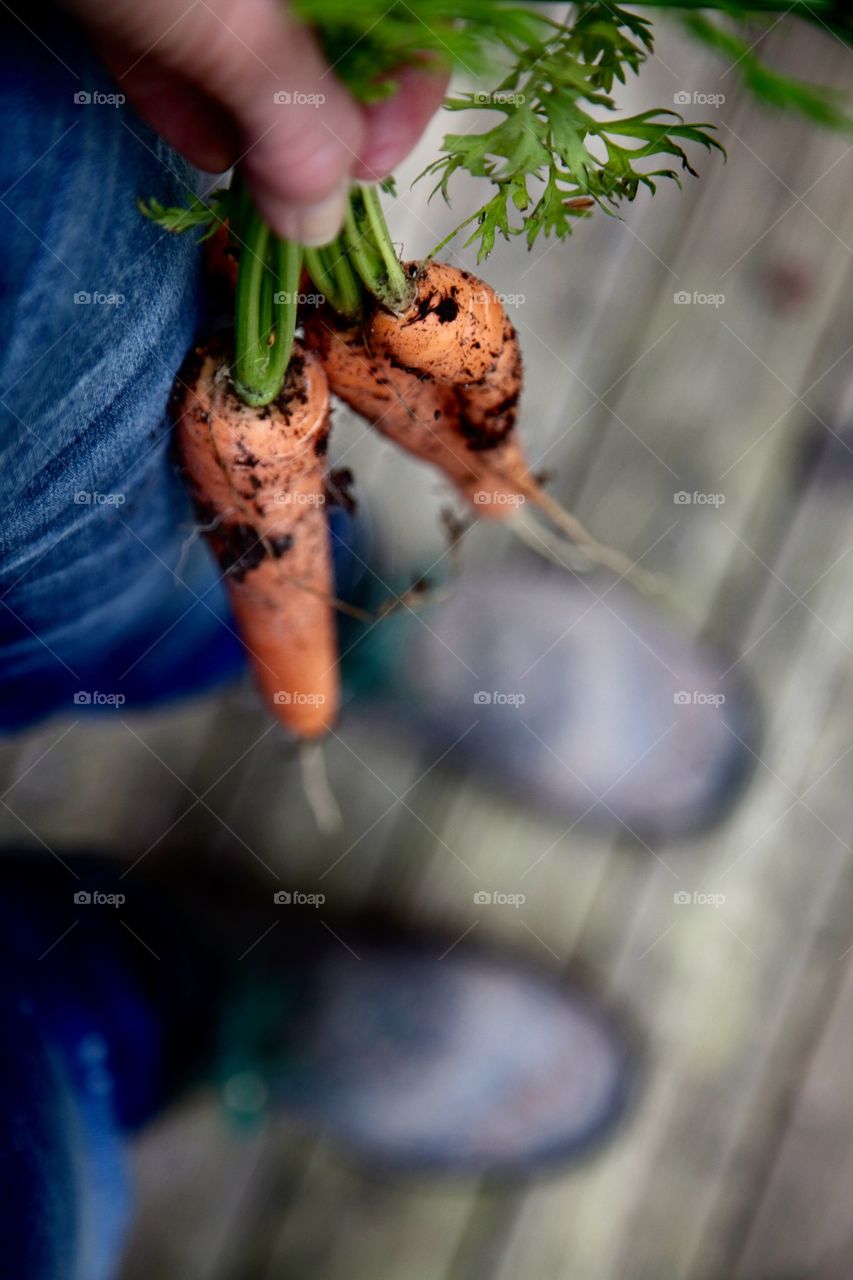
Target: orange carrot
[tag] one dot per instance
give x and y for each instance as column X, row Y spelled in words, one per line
column 425, row 417
column 463, row 426
column 452, row 330
column 456, row 333
column 257, row 477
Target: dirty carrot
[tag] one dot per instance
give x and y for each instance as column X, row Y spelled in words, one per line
column 466, row 427
column 452, row 329
column 443, row 367
column 257, row 477
column 417, row 412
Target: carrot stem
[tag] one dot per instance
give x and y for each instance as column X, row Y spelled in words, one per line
column 351, row 295
column 318, row 270
column 288, row 269
column 249, row 282
column 265, row 300
column 381, row 238
column 371, row 252
column 359, row 252
column 267, row 290
column 334, row 277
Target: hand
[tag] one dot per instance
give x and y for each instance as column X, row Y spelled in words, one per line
column 205, row 75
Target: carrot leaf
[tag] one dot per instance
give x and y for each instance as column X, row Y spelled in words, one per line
column 367, row 43
column 557, row 143
column 207, row 214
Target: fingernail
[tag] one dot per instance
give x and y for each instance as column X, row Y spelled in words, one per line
column 317, row 224
column 381, row 161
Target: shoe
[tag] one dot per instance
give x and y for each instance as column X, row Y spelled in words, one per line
column 587, row 703
column 410, row 1050
column 419, row 1056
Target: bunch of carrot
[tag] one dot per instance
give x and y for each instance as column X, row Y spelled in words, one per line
column 423, row 351
column 429, row 357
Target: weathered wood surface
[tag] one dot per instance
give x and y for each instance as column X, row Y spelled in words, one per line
column 737, row 1160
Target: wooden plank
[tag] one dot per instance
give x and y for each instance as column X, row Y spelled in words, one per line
column 102, row 784
column 724, row 997
column 714, row 399
column 480, row 834
column 194, row 1173
column 345, row 1223
column 804, row 1223
column 625, row 905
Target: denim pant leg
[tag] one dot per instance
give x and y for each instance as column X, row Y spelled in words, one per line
column 98, row 309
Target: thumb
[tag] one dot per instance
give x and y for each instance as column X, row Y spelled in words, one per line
column 302, row 133
column 298, row 132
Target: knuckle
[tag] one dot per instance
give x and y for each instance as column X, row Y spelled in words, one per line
column 302, row 165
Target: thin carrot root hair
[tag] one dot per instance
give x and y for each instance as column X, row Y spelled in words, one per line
column 598, row 553
column 318, row 792
column 583, row 557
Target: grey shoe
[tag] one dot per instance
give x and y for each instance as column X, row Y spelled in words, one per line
column 419, row 1055
column 589, row 704
column 415, row 1051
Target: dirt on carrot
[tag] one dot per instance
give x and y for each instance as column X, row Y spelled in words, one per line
column 257, row 477
column 465, row 427
column 425, row 417
column 453, row 329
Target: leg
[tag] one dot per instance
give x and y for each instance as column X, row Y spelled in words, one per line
column 99, row 309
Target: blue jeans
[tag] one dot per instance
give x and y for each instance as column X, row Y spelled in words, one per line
column 100, row 597
column 106, row 596
column 97, row 1030
column 61, row 1171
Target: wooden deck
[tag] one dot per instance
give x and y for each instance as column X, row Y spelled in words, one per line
column 738, row 1159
